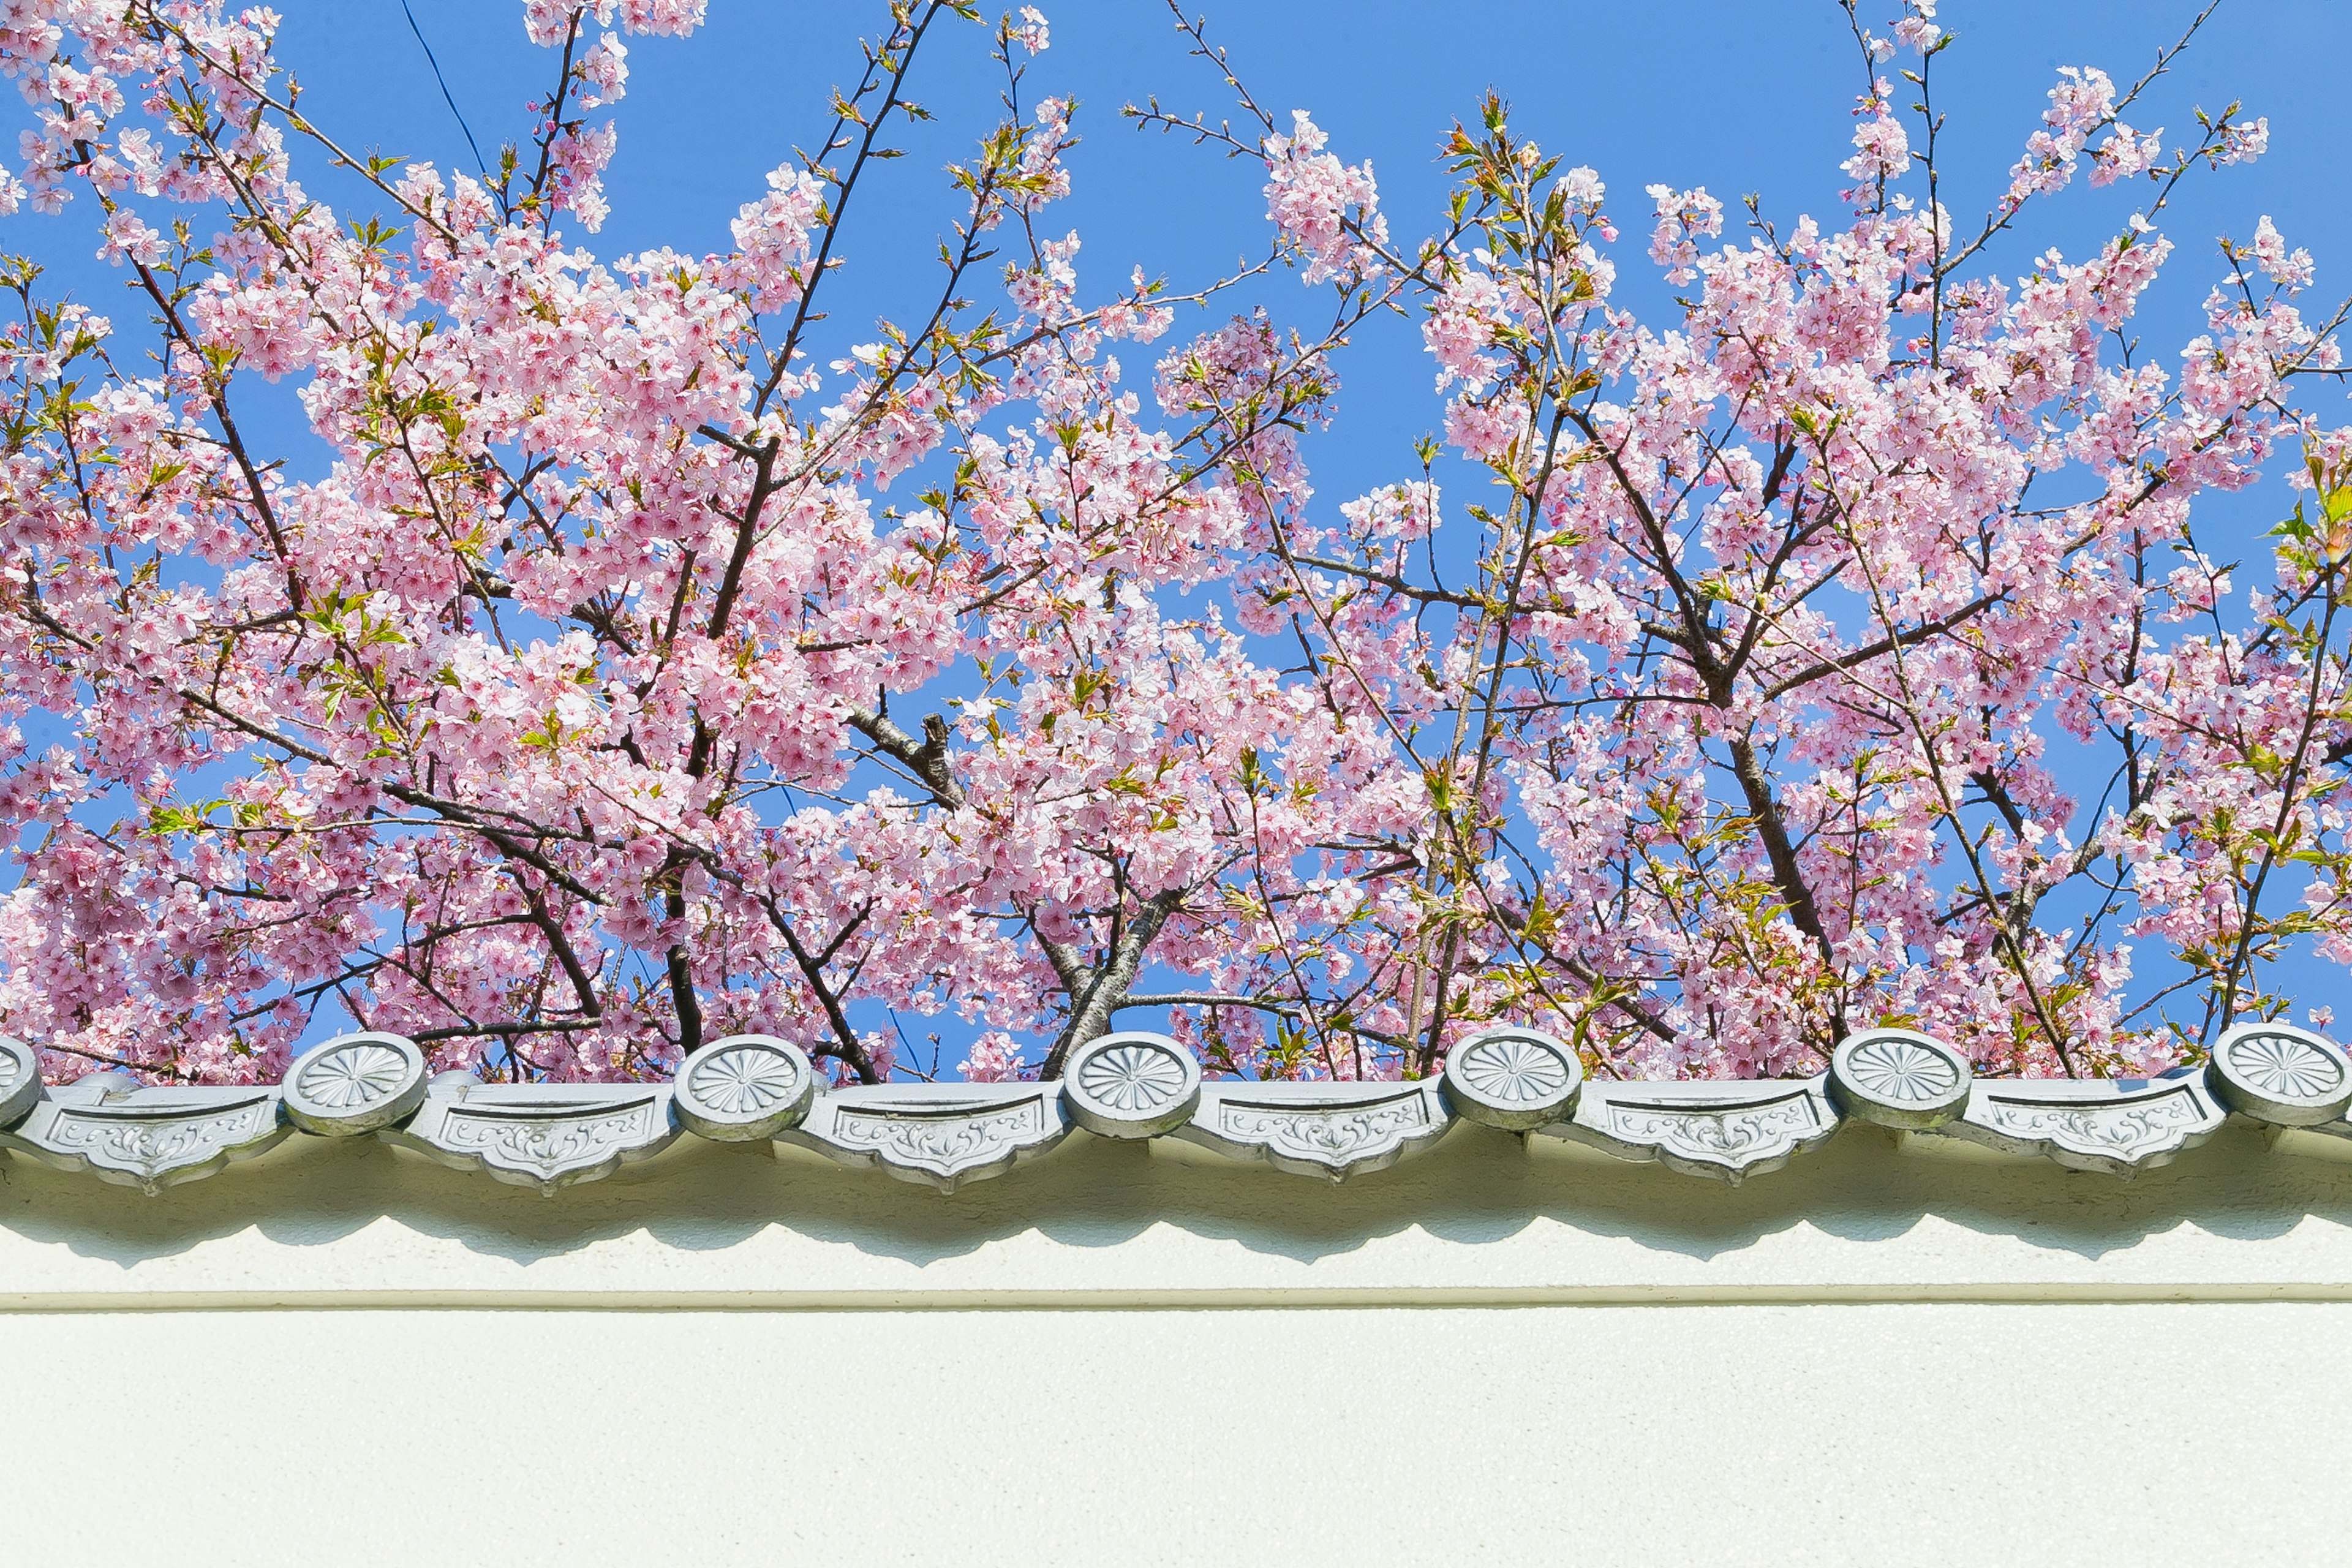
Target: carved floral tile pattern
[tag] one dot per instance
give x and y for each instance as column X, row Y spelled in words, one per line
column 2119, row 1127
column 1512, row 1071
column 1703, row 1129
column 1133, row 1078
column 2124, row 1129
column 1729, row 1133
column 549, row 1145
column 1325, row 1135
column 940, row 1140
column 745, row 1080
column 2277, row 1064
column 1902, row 1069
column 1328, row 1130
column 155, row 1145
column 355, row 1074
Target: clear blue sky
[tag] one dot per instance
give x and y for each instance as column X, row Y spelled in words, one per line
column 1735, row 96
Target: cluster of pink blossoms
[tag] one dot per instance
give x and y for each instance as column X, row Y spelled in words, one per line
column 1842, row 653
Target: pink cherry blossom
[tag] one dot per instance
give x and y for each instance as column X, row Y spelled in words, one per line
column 640, row 653
column 1330, row 210
column 1684, row 218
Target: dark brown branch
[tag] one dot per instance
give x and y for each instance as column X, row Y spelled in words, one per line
column 928, row 759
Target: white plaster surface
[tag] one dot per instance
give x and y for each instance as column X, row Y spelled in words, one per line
column 342, row 1353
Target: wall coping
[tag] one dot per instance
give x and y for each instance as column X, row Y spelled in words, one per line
column 1132, row 1183
column 1483, row 1219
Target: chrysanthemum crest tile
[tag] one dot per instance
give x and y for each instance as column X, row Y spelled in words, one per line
column 1330, row 1129
column 942, row 1135
column 1729, row 1131
column 543, row 1135
column 110, row 1125
column 2299, row 1082
column 1132, row 1084
column 2277, row 1073
column 1899, row 1079
column 1512, row 1079
column 20, row 1080
column 744, row 1088
column 355, row 1084
column 2121, row 1126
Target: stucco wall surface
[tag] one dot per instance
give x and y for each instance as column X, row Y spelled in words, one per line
column 342, row 1353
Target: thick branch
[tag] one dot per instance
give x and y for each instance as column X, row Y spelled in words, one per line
column 1102, row 994
column 1764, row 810
column 926, row 761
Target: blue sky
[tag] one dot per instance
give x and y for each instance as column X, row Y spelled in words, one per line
column 1735, row 96
column 1738, row 97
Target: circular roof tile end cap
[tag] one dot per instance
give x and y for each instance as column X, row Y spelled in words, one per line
column 1133, row 1084
column 355, row 1084
column 1512, row 1079
column 1899, row 1079
column 744, row 1088
column 20, row 1080
column 2281, row 1074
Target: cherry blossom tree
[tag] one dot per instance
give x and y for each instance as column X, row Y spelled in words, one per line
column 1840, row 650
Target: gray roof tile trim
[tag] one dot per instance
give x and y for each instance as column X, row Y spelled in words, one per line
column 119, row 1130
column 1727, row 1129
column 1138, row 1085
column 939, row 1134
column 543, row 1135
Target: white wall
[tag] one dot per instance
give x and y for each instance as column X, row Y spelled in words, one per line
column 340, row 1353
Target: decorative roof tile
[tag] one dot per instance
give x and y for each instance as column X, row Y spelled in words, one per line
column 755, row 1089
column 940, row 1134
column 120, row 1130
